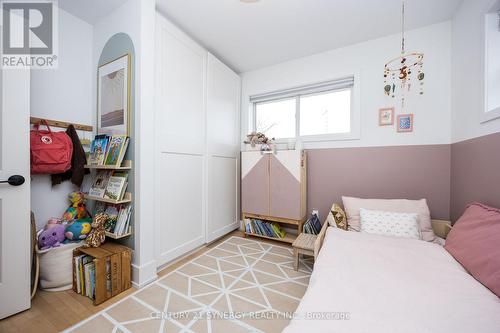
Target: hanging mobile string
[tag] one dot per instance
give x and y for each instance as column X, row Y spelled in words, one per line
column 403, row 29
column 405, row 71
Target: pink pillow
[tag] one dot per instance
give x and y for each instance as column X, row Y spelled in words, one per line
column 474, row 241
column 353, row 205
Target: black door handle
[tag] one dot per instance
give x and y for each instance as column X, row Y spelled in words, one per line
column 15, row 180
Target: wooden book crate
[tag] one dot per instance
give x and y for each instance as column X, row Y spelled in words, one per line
column 119, row 257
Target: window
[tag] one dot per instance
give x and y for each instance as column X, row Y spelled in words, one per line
column 492, row 65
column 276, row 119
column 322, row 111
column 325, row 113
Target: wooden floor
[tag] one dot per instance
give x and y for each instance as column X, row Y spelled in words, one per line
column 56, row 311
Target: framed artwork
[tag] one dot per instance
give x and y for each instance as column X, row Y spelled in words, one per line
column 113, row 97
column 386, row 117
column 405, row 123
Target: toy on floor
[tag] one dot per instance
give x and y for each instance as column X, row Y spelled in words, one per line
column 77, row 209
column 52, row 222
column 51, row 237
column 79, row 229
column 97, row 235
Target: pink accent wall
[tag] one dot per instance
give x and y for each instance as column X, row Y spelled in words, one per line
column 409, row 172
column 475, row 173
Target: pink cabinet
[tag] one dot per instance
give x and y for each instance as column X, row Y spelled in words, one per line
column 274, row 185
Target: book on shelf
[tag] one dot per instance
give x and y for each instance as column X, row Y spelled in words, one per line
column 100, row 183
column 123, row 222
column 123, row 152
column 98, row 150
column 262, row 228
column 82, row 264
column 118, row 221
column 115, row 189
column 108, row 150
column 312, row 225
column 86, row 184
column 112, row 211
column 278, row 230
column 116, row 150
column 84, row 274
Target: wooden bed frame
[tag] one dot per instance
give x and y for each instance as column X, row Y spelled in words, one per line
column 441, row 229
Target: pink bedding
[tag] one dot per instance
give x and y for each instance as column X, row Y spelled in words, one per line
column 372, row 283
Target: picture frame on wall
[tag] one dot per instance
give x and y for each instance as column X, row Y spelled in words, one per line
column 113, row 97
column 405, row 123
column 386, row 117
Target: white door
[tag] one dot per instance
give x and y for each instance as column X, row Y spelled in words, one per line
column 14, row 200
column 223, row 148
column 180, row 143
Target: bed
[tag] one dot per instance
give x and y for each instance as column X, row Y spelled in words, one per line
column 370, row 283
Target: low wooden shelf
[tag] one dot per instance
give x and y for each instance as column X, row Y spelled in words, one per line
column 118, row 274
column 126, row 199
column 289, row 238
column 303, row 244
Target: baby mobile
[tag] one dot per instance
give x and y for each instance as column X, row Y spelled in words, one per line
column 405, row 71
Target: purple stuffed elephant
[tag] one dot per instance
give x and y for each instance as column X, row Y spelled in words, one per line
column 51, row 237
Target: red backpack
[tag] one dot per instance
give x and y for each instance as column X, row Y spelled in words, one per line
column 50, row 151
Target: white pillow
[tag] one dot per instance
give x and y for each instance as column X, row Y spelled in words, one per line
column 352, row 206
column 390, row 223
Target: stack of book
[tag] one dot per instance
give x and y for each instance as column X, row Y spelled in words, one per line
column 109, row 184
column 268, row 229
column 118, row 222
column 108, row 150
column 312, row 225
column 85, row 275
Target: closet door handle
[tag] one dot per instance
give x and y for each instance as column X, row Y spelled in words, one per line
column 15, row 180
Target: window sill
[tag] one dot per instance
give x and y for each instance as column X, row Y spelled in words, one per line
column 330, row 137
column 490, row 115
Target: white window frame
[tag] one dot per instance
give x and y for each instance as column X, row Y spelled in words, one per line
column 309, row 90
column 488, row 114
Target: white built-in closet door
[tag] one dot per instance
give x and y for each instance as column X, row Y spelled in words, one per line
column 223, row 96
column 180, row 145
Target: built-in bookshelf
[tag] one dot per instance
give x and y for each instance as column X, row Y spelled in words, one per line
column 108, row 182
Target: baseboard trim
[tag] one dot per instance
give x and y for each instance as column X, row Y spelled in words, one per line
column 144, row 274
column 222, row 231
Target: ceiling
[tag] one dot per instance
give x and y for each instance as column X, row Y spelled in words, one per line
column 249, row 36
column 90, row 11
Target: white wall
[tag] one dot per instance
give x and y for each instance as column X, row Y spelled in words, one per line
column 468, row 72
column 66, row 94
column 136, row 18
column 431, row 111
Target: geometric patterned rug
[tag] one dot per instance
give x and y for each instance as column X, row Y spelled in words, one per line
column 241, row 285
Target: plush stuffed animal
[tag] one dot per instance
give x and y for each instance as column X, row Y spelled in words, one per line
column 97, row 235
column 79, row 229
column 52, row 222
column 77, row 209
column 51, row 237
column 256, row 138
